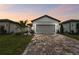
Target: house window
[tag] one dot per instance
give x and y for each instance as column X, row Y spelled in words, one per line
column 6, row 25
column 2, row 29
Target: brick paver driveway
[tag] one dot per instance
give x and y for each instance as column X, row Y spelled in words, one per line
column 52, row 45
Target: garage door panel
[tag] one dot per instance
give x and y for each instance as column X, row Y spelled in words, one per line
column 45, row 29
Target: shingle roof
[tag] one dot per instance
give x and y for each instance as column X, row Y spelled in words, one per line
column 7, row 20
column 71, row 20
column 45, row 16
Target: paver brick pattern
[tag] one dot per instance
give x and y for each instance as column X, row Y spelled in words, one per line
column 52, row 45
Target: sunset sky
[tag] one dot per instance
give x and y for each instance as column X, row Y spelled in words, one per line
column 18, row 12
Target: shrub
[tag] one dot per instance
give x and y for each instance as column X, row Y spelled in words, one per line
column 61, row 29
column 58, row 31
column 72, row 32
column 19, row 33
column 2, row 30
column 32, row 32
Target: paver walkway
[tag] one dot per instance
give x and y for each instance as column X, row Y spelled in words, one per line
column 52, row 45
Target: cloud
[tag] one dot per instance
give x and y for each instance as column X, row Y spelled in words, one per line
column 64, row 12
column 61, row 12
column 5, row 6
column 60, row 9
column 18, row 15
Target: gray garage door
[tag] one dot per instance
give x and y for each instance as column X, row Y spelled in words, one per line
column 45, row 29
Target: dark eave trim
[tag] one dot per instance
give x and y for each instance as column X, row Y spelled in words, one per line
column 10, row 21
column 46, row 16
column 68, row 21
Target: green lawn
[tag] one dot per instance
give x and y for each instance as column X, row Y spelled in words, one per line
column 13, row 44
column 73, row 36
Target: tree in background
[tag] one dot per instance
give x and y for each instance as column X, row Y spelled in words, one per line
column 61, row 28
column 77, row 28
column 23, row 25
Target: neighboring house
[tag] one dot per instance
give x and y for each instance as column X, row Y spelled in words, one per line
column 10, row 26
column 45, row 25
column 71, row 26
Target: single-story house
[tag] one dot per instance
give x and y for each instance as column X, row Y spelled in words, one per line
column 71, row 26
column 9, row 26
column 45, row 25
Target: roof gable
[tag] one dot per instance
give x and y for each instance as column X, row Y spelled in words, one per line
column 45, row 16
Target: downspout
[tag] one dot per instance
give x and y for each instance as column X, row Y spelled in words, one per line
column 9, row 27
column 70, row 27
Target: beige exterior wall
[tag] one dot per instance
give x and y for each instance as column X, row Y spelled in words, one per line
column 66, row 27
column 14, row 28
column 71, row 26
column 10, row 27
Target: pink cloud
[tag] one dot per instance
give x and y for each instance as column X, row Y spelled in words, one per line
column 60, row 9
column 63, row 18
column 60, row 12
column 18, row 15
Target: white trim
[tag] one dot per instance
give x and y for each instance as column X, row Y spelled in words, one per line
column 35, row 28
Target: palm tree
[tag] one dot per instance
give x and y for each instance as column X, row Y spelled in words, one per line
column 23, row 25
